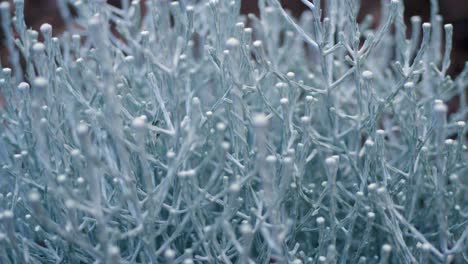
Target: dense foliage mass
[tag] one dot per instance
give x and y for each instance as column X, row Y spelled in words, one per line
column 185, row 132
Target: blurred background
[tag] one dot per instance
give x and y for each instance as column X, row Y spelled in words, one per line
column 453, row 11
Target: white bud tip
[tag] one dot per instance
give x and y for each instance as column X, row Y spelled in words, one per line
column 195, row 100
column 369, row 143
column 320, row 220
column 461, row 124
column 387, row 248
column 439, row 106
column 372, row 186
column 5, row 6
column 139, row 122
column 271, row 159
column 240, row 24
column 40, row 82
column 23, row 86
column 225, row 145
column 409, row 85
column 260, row 120
column 235, row 187
column 381, row 190
column 426, row 247
column 426, row 25
column 287, row 160
column 8, row 214
column 284, row 101
column 246, row 229
column 46, row 28
column 34, row 196
column 290, row 75
column 169, row 254
column 82, row 129
column 281, row 85
column 257, row 43
column 305, row 120
column 221, row 127
column 232, row 43
column 114, row 251
column 449, row 141
column 61, row 178
column 367, row 75
column 75, row 152
column 332, row 161
column 416, row 19
column 38, row 47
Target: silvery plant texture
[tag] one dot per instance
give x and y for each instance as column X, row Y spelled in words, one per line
column 186, row 132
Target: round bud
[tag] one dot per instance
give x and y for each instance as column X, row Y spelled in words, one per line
column 170, row 154
column 46, row 29
column 82, row 128
column 284, row 101
column 61, row 178
column 409, row 85
column 169, row 254
column 70, row 204
column 415, row 19
column 320, row 220
column 38, row 47
column 220, row 127
column 225, row 145
column 139, row 122
column 367, row 75
column 235, row 187
column 23, row 86
column 80, row 180
column 260, row 120
column 426, row 247
column 290, row 75
column 246, row 228
column 426, row 26
column 232, row 43
column 271, row 159
column 195, row 101
column 440, row 107
column 372, row 187
column 129, row 59
column 40, row 82
column 34, row 196
column 5, row 6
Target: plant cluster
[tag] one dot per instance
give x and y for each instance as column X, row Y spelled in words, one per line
column 186, row 132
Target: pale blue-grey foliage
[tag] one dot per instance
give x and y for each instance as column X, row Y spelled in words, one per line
column 185, row 132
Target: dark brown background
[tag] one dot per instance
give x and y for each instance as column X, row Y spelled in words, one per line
column 453, row 11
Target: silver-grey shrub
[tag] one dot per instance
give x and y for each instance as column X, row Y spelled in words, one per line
column 185, row 132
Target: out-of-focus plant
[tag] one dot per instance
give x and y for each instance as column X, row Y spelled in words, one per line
column 185, row 132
